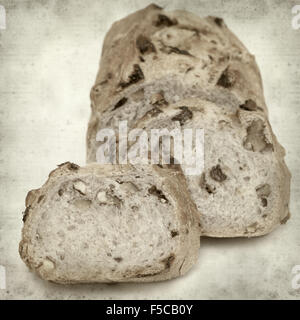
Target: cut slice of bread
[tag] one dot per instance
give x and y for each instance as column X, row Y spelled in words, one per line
column 143, row 99
column 110, row 223
column 151, row 43
column 244, row 188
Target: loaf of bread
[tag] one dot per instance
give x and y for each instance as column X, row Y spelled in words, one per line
column 153, row 65
column 124, row 223
column 110, row 224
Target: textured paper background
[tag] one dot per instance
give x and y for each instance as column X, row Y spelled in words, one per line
column 49, row 55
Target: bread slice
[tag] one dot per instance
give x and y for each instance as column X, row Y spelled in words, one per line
column 110, row 223
column 151, row 44
column 244, row 188
column 142, row 100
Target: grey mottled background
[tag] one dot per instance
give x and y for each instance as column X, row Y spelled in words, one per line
column 49, row 57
